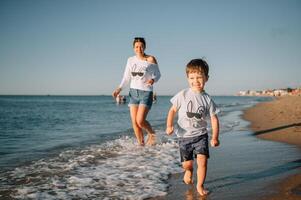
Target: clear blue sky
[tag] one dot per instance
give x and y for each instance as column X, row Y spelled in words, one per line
column 81, row 46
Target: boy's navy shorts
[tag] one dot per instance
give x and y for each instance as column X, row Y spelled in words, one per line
column 138, row 97
column 190, row 147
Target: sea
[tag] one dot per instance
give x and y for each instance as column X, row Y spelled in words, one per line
column 83, row 147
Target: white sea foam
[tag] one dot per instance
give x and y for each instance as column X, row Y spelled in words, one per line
column 117, row 169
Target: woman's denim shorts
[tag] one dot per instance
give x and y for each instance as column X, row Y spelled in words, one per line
column 138, row 97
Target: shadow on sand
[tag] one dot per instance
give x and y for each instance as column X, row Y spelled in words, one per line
column 246, row 177
column 276, row 129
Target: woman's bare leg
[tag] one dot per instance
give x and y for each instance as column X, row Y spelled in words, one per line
column 137, row 130
column 143, row 123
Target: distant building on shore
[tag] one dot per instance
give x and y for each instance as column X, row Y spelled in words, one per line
column 274, row 92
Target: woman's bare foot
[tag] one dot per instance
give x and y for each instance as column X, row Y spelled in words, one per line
column 141, row 143
column 201, row 190
column 188, row 177
column 151, row 139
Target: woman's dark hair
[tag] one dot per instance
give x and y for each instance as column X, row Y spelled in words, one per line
column 139, row 39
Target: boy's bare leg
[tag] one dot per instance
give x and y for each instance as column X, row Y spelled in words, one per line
column 201, row 174
column 143, row 123
column 137, row 130
column 188, row 167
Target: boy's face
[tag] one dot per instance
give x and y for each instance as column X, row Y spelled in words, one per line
column 197, row 81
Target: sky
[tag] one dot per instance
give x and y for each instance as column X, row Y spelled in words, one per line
column 80, row 47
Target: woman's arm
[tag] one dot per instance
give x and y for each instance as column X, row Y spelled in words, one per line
column 126, row 75
column 125, row 79
column 155, row 70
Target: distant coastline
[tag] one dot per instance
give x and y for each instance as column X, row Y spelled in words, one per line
column 272, row 92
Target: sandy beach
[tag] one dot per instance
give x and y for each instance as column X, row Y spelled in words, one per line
column 279, row 120
column 248, row 167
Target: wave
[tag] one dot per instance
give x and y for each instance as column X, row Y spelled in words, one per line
column 116, row 169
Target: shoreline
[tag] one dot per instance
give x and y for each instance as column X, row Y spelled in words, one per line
column 279, row 120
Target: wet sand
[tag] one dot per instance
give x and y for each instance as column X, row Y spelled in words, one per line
column 248, row 167
column 280, row 121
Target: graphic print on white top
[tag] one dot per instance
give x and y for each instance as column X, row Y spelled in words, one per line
column 138, row 72
column 195, row 117
column 194, row 110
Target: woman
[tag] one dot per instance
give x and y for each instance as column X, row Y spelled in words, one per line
column 142, row 72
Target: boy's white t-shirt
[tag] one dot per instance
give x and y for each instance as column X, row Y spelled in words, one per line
column 193, row 109
column 138, row 72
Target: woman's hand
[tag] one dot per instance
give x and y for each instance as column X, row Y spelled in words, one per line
column 150, row 82
column 116, row 92
column 169, row 130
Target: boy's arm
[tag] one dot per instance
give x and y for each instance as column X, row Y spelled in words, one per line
column 170, row 119
column 215, row 131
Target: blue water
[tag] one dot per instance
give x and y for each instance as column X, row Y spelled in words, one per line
column 66, row 147
column 32, row 127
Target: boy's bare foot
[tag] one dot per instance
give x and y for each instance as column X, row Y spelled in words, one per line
column 202, row 191
column 151, row 139
column 188, row 177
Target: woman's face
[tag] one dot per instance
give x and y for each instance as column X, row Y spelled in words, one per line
column 139, row 48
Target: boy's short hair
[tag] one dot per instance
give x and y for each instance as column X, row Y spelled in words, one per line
column 198, row 65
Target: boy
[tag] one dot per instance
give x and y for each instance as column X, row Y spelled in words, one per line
column 193, row 106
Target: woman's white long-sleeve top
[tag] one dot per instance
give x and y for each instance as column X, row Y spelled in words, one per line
column 138, row 72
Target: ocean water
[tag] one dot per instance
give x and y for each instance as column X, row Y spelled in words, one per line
column 83, row 147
